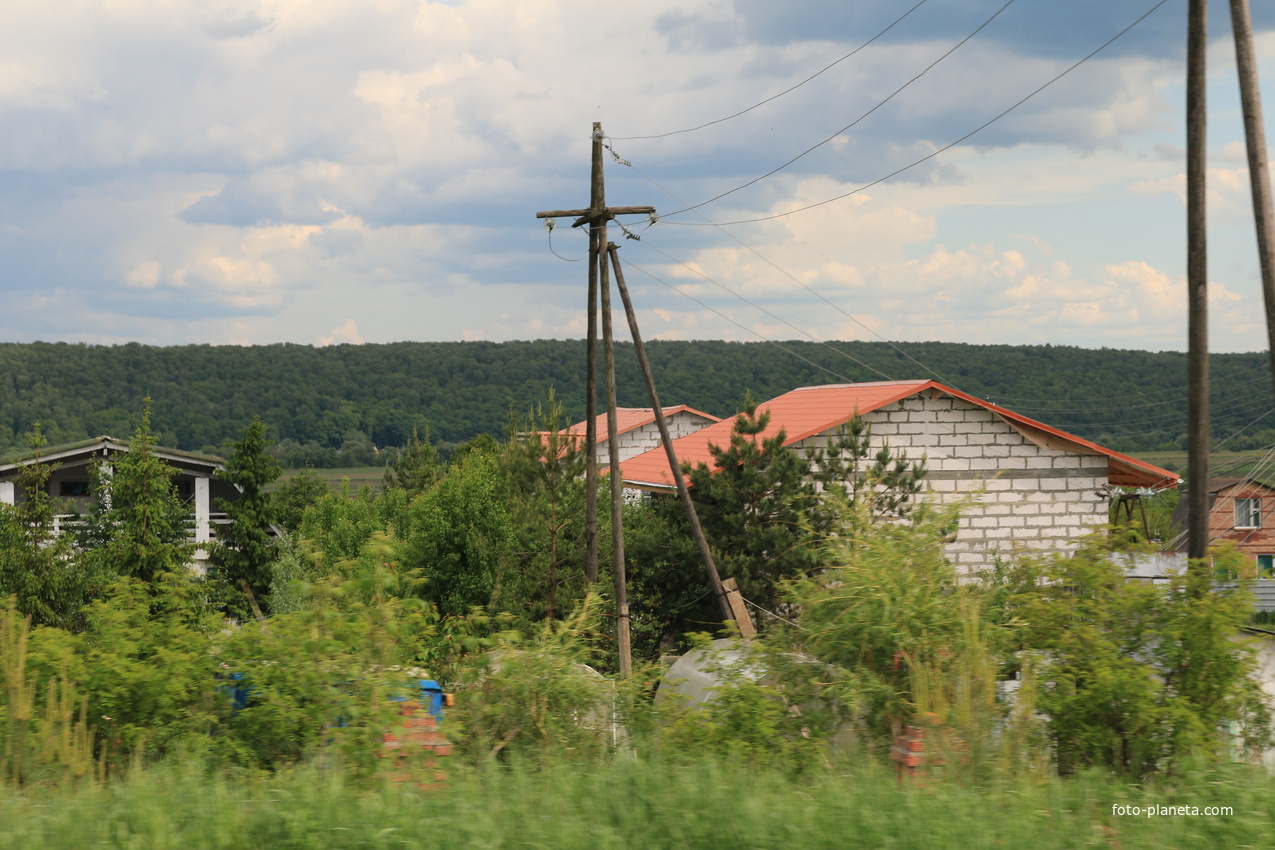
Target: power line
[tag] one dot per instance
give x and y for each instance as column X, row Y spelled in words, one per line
column 793, row 88
column 1177, row 400
column 934, row 154
column 744, row 328
column 880, row 104
column 1268, row 412
column 1264, row 369
column 549, row 225
column 777, row 268
column 761, row 309
column 1173, row 417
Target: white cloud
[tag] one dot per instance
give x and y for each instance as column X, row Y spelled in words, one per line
column 347, row 331
column 257, row 170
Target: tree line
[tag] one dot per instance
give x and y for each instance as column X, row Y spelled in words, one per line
column 341, row 405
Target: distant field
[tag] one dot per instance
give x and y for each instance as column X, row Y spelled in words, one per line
column 357, row 475
column 1221, row 464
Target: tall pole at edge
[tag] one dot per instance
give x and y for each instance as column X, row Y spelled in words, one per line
column 1197, row 284
column 1258, row 173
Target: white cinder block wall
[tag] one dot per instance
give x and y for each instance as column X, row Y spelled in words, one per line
column 1026, row 495
column 647, row 437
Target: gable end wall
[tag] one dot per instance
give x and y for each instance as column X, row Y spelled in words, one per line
column 1251, row 541
column 643, row 439
column 1025, row 495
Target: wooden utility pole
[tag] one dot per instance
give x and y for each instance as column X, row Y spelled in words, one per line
column 674, row 466
column 1197, row 270
column 1258, row 176
column 597, row 233
column 597, row 216
column 617, row 482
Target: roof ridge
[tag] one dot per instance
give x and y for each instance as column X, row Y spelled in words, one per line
column 908, row 382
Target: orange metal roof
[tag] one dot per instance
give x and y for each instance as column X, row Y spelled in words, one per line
column 808, row 411
column 630, row 418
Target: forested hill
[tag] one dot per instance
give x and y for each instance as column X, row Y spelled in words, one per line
column 317, row 400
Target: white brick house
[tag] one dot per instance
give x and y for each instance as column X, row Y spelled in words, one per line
column 1035, row 486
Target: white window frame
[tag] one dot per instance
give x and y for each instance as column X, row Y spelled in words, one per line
column 1248, row 512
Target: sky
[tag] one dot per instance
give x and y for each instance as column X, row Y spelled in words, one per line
column 331, row 171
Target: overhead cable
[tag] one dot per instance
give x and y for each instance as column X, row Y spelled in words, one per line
column 744, row 328
column 928, row 156
column 549, row 225
column 781, row 270
column 761, row 309
column 880, row 104
column 1264, row 368
column 792, row 88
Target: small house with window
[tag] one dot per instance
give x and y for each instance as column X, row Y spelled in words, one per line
column 1241, row 511
column 194, row 476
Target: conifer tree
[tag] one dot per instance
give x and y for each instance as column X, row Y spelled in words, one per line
column 37, row 564
column 139, row 528
column 885, row 482
column 545, row 470
column 415, row 468
column 764, row 507
column 246, row 550
column 755, row 503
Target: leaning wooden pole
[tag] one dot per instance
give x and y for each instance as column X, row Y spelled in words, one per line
column 1197, row 271
column 1258, row 172
column 623, row 644
column 597, row 256
column 674, row 467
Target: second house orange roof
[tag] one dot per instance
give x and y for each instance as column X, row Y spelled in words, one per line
column 808, row 411
column 631, row 418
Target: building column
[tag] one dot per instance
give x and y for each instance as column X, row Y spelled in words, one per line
column 202, row 508
column 8, row 493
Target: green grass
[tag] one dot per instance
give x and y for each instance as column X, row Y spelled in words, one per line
column 630, row 803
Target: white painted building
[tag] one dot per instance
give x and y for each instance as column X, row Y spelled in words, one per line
column 69, row 483
column 1034, row 486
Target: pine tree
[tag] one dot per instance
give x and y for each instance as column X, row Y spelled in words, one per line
column 755, row 504
column 415, row 468
column 139, row 528
column 37, row 565
column 765, row 507
column 883, row 481
column 545, row 470
column 246, row 550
